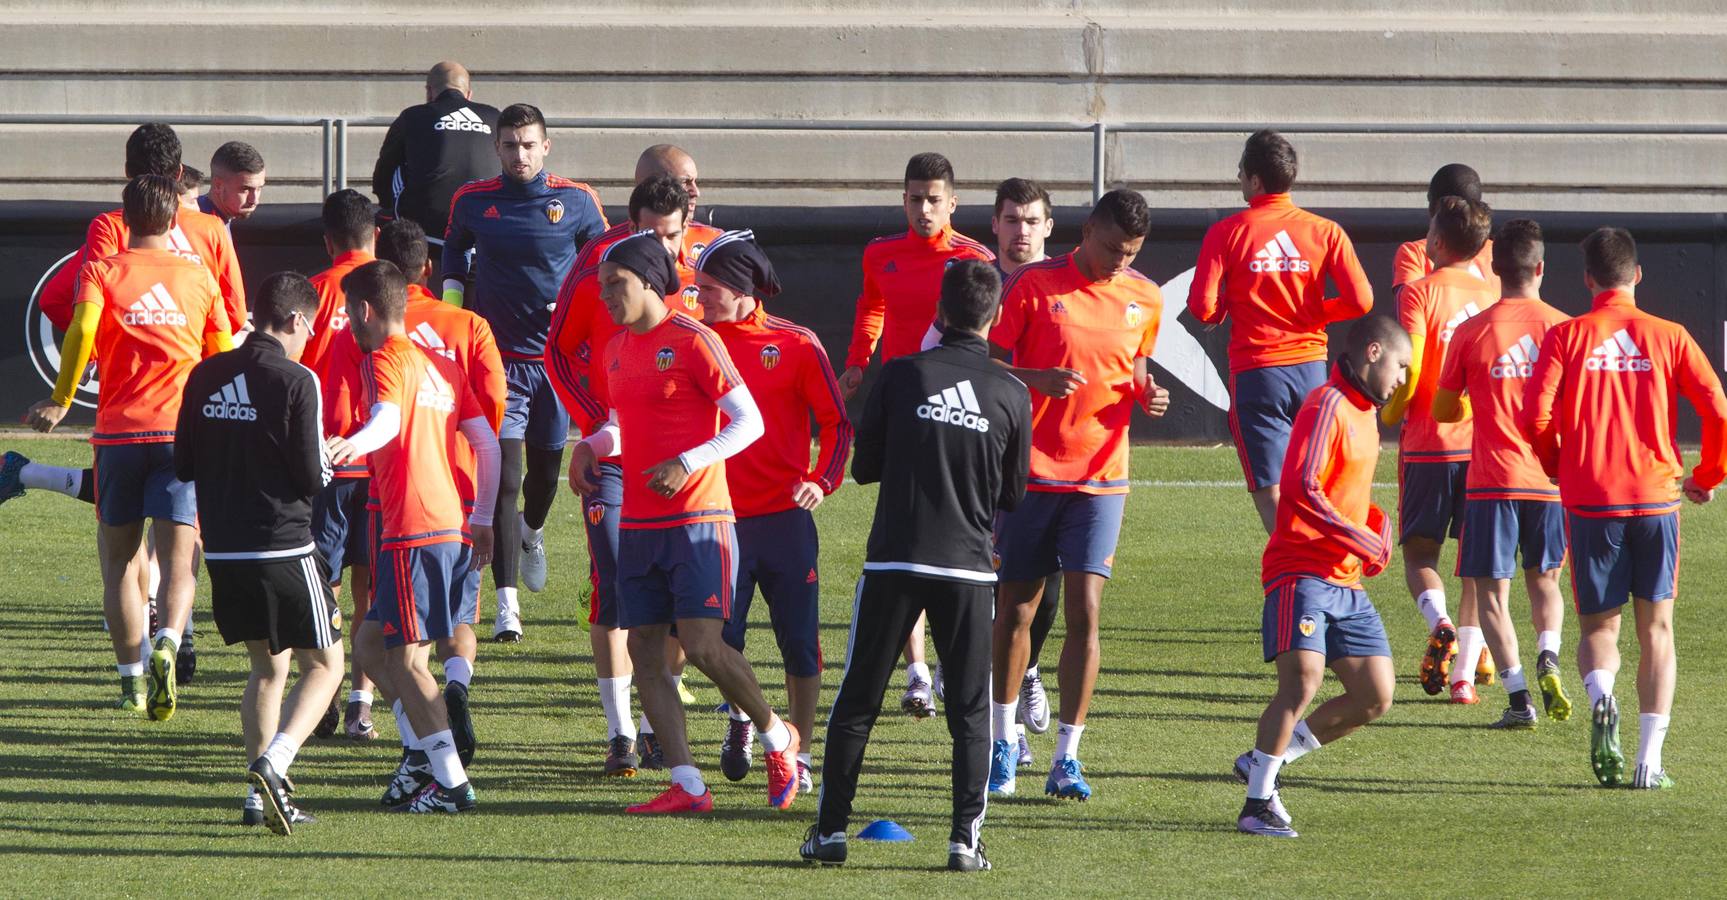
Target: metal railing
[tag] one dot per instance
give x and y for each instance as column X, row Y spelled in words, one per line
column 334, row 130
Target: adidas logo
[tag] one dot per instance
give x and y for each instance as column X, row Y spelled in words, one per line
column 463, row 119
column 890, row 267
column 428, row 339
column 1518, row 362
column 435, row 393
column 812, row 577
column 713, row 601
column 1619, row 353
column 491, row 213
column 232, row 402
column 956, row 405
column 178, row 242
column 156, row 307
column 1279, row 255
column 1469, row 311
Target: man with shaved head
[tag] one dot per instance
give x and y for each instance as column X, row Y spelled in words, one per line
column 675, row 163
column 434, row 148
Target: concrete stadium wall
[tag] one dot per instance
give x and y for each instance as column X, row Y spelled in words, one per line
column 1242, row 64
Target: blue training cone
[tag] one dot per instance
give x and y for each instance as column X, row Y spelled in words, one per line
column 886, row 830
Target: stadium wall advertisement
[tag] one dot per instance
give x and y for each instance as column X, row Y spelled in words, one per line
column 818, row 250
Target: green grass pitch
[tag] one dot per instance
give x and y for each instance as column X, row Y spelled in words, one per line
column 1427, row 800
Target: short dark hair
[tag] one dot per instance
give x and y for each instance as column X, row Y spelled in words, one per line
column 237, row 156
column 380, row 285
column 1023, row 191
column 1518, row 250
column 282, row 295
column 190, row 179
column 1463, row 225
column 1373, row 329
column 153, row 149
column 149, row 203
column 1270, row 156
column 970, row 295
column 929, row 167
column 403, row 242
column 521, row 115
column 1610, row 257
column 1452, row 180
column 349, row 219
column 661, row 195
column 1126, row 209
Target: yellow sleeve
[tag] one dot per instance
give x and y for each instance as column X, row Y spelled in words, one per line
column 1394, row 408
column 1447, row 406
column 75, row 350
column 218, row 342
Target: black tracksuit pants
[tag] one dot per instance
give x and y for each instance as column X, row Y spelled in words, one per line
column 960, row 620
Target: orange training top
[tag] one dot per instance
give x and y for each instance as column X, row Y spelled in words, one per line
column 1491, row 359
column 901, row 284
column 1431, row 308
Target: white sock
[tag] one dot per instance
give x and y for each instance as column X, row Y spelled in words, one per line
column 131, row 668
column 155, row 579
column 145, row 648
column 1470, row 642
column 172, row 636
column 1432, row 605
column 690, row 778
column 1031, row 672
column 615, row 700
column 776, row 737
column 1001, row 720
column 1599, row 684
column 1301, row 742
column 404, row 728
column 1262, row 775
column 805, row 759
column 678, row 683
column 530, row 535
column 645, row 727
column 961, row 849
column 1547, row 642
column 457, row 670
column 59, row 479
column 359, row 696
column 507, row 600
column 916, row 672
column 1513, row 680
column 447, row 768
column 1019, row 732
column 281, row 752
column 254, row 800
column 1067, row 741
column 736, row 714
column 1651, row 734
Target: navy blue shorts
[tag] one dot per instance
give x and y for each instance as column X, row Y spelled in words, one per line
column 339, row 525
column 1496, row 532
column 1262, row 408
column 779, row 552
column 418, row 593
column 1303, row 613
column 1430, row 500
column 532, row 412
column 1613, row 560
column 600, row 518
column 1053, row 532
column 681, row 572
column 136, row 482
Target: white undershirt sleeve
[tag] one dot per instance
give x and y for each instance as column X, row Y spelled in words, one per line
column 489, row 461
column 384, row 422
column 607, row 440
column 744, row 427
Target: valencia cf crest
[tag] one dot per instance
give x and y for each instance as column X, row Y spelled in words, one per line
column 596, row 513
column 690, row 301
column 770, row 356
column 1134, row 315
column 663, row 359
column 336, row 621
column 554, row 211
column 1307, row 625
column 695, row 252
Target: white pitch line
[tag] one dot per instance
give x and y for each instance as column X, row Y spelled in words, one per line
column 1151, row 483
